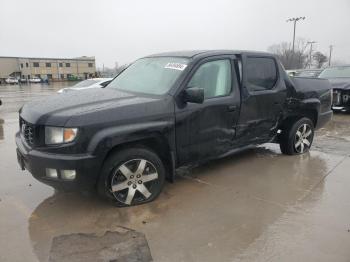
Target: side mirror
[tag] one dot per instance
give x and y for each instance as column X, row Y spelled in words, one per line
column 193, row 95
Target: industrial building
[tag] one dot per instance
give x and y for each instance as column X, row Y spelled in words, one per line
column 47, row 68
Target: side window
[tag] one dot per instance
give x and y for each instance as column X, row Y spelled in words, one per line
column 214, row 77
column 261, row 73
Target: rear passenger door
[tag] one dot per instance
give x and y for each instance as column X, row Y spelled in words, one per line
column 263, row 97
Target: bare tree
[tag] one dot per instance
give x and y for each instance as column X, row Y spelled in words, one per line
column 320, row 59
column 121, row 68
column 291, row 60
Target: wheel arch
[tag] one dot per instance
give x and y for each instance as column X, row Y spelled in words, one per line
column 158, row 136
column 307, row 108
column 156, row 143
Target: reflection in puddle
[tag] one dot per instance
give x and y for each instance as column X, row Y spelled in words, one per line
column 245, row 194
column 66, row 213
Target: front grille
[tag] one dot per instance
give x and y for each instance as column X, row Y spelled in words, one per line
column 28, row 132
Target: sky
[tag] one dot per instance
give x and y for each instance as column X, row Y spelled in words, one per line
column 122, row 31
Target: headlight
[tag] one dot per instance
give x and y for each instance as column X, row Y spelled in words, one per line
column 59, row 135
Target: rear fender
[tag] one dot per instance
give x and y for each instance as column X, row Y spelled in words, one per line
column 309, row 108
column 310, row 104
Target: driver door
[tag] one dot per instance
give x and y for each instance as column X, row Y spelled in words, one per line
column 207, row 130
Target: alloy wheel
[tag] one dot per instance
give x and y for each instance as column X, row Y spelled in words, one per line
column 134, row 181
column 303, row 138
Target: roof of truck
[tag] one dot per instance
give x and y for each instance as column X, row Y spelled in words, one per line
column 204, row 53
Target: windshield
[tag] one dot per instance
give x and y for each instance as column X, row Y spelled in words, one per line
column 86, row 83
column 153, row 75
column 333, row 72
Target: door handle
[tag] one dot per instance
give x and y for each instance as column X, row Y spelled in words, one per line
column 232, row 108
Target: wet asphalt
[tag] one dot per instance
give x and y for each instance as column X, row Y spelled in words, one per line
column 258, row 205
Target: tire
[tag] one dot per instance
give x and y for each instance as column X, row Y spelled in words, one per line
column 296, row 140
column 131, row 177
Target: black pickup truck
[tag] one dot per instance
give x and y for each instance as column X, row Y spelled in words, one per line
column 165, row 111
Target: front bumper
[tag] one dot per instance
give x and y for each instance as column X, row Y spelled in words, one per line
column 341, row 108
column 341, row 100
column 87, row 167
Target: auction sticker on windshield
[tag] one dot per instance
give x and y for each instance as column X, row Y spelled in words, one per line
column 176, row 66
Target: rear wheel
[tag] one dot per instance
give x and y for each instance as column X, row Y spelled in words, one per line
column 132, row 176
column 297, row 137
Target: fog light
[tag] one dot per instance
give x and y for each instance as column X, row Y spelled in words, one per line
column 68, row 174
column 51, row 173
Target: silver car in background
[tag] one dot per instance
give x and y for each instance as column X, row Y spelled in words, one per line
column 339, row 77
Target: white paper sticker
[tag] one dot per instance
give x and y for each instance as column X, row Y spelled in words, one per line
column 176, row 66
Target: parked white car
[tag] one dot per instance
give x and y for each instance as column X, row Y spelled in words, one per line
column 35, row 79
column 11, row 80
column 87, row 84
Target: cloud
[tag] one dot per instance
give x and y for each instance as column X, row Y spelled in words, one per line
column 125, row 30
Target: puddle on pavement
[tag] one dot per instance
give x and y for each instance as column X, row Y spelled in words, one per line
column 66, row 213
column 335, row 136
column 315, row 229
column 239, row 197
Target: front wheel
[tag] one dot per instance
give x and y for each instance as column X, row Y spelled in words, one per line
column 132, row 176
column 297, row 137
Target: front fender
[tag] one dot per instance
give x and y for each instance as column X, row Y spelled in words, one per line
column 104, row 140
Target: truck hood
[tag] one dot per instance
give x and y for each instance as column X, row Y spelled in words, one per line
column 56, row 110
column 340, row 83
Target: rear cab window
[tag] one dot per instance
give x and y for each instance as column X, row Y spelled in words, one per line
column 261, row 73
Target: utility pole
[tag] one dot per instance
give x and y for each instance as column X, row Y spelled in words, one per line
column 311, row 43
column 330, row 54
column 295, row 20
